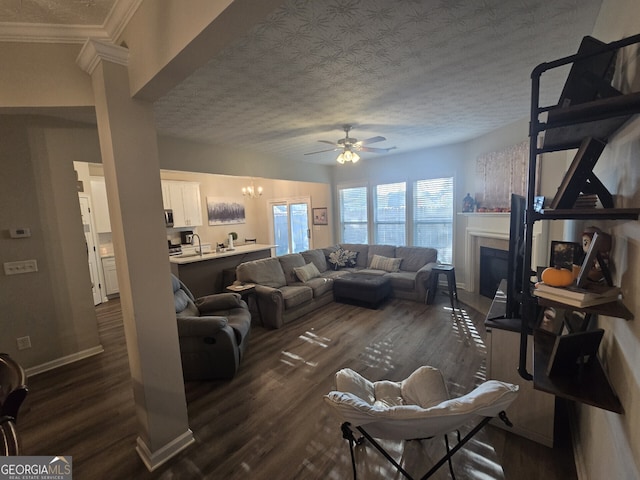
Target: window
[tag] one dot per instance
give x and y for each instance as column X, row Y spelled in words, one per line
column 427, row 221
column 433, row 216
column 290, row 224
column 354, row 215
column 390, row 215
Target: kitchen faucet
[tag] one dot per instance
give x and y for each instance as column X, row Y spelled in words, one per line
column 199, row 242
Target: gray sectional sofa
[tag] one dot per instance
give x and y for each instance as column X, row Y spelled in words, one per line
column 282, row 297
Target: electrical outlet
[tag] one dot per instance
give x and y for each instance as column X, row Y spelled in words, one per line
column 24, row 266
column 23, row 342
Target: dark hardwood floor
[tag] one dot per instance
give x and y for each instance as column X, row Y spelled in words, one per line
column 270, row 421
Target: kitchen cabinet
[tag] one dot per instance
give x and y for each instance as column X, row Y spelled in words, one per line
column 100, row 205
column 184, row 199
column 110, row 275
column 166, row 196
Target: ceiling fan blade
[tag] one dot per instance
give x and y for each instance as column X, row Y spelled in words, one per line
column 376, row 150
column 321, row 151
column 327, row 141
column 372, row 140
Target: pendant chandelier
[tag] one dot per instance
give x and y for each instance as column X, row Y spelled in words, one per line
column 252, row 191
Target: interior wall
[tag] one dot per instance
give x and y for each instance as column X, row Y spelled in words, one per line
column 257, row 209
column 165, row 52
column 53, row 306
column 609, row 444
column 185, row 156
column 438, row 162
column 42, row 75
column 458, row 161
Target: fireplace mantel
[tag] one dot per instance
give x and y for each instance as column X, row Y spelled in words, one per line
column 491, row 229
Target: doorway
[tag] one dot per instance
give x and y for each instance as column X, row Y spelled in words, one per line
column 290, row 225
column 92, row 254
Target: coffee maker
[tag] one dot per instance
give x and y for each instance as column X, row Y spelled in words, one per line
column 186, row 237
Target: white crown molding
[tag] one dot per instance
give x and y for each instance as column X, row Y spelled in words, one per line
column 94, row 51
column 119, row 17
column 112, row 28
column 47, row 33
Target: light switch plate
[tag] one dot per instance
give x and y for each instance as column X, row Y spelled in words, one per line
column 23, row 232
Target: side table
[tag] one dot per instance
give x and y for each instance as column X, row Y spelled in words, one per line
column 246, row 291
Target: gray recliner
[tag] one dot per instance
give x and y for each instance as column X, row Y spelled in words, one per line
column 213, row 332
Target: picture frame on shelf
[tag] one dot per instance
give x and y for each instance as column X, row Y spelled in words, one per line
column 565, row 254
column 538, row 203
column 580, row 170
column 589, row 259
column 320, row 216
column 551, row 320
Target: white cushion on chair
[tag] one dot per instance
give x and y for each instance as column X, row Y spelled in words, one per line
column 388, row 394
column 488, row 399
column 425, row 387
column 385, row 418
column 348, row 380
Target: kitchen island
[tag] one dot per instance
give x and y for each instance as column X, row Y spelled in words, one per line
column 204, row 275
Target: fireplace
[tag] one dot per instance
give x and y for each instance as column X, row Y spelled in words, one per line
column 491, row 230
column 493, row 268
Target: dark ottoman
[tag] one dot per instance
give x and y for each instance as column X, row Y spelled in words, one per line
column 371, row 290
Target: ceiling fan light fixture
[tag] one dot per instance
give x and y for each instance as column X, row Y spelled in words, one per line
column 347, row 156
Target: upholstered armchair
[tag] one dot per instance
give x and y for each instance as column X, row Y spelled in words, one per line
column 213, row 332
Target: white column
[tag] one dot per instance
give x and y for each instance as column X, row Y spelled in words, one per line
column 128, row 146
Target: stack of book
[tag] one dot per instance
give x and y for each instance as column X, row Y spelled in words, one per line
column 588, row 296
column 586, row 201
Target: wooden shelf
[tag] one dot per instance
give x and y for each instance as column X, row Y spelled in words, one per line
column 591, row 386
column 567, row 127
column 588, row 214
column 612, row 309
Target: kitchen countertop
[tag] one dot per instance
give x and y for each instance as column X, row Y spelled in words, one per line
column 238, row 250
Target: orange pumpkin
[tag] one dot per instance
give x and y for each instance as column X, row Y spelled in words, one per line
column 557, row 277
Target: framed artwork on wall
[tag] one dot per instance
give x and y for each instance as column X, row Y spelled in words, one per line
column 320, row 216
column 224, row 211
column 499, row 174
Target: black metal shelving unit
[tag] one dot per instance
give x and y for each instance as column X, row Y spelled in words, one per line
column 565, row 128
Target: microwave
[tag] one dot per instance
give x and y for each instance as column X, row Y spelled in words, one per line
column 168, row 217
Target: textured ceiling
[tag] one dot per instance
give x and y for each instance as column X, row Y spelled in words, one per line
column 56, row 12
column 421, row 73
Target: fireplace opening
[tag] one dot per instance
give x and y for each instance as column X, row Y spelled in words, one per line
column 493, row 268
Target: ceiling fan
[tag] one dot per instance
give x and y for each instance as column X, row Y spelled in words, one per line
column 350, row 147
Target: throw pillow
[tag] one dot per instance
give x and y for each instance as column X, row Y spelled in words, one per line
column 307, row 272
column 378, row 262
column 343, row 258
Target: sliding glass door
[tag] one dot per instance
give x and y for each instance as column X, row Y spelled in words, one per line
column 290, row 225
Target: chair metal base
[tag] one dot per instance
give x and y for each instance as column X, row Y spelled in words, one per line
column 348, row 434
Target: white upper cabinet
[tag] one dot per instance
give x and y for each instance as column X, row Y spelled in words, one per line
column 184, row 199
column 100, row 206
column 166, row 197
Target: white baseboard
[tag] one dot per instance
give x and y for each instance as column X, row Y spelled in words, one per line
column 153, row 460
column 58, row 362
